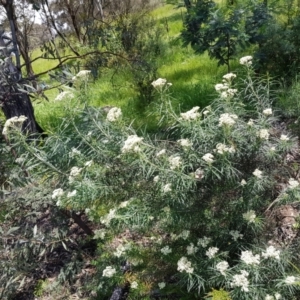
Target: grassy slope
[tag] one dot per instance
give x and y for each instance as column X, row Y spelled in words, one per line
column 193, row 77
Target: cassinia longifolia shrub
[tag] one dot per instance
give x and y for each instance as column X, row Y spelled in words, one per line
column 184, row 214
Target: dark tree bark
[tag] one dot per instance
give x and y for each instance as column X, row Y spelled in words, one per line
column 13, row 101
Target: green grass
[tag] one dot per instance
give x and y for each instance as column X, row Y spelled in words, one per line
column 193, row 77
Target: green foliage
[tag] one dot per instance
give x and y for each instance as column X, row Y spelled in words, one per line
column 184, row 208
column 218, row 295
column 215, row 29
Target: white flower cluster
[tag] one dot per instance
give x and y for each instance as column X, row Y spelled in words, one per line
column 208, row 157
column 161, row 152
column 192, row 114
column 107, row 218
column 160, row 83
column 15, row 123
column 167, row 188
column 243, row 182
column 228, row 93
column 114, row 114
column 293, row 183
column 121, row 249
column 220, row 87
column 271, row 252
column 250, row 216
column 263, row 134
column 185, row 143
column 57, row 193
column 267, row 111
column 203, row 242
column 222, row 267
column 290, row 280
column 222, row 148
column 235, row 235
column 75, row 171
column 64, row 95
column 277, row 296
column 74, row 152
column 175, row 162
column 132, row 144
column 99, row 234
column 166, row 250
column 249, row 258
column 161, row 285
column 257, row 173
column 88, row 163
column 134, row 285
column 71, row 194
column 184, row 234
column 241, row 280
column 184, row 265
column 284, row 137
column 83, row 75
column 227, row 119
column 211, row 252
column 191, row 249
column 199, row 174
column 246, row 60
column 109, row 271
column 229, row 77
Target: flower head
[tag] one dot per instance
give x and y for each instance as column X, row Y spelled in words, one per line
column 229, row 76
column 241, row 280
column 109, row 272
column 161, row 285
column 114, row 114
column 220, row 87
column 72, row 194
column 161, row 152
column 64, row 95
column 290, row 280
column 185, row 143
column 257, row 173
column 83, row 74
column 175, row 162
column 284, row 137
column 222, row 148
column 167, row 188
column 271, row 252
column 134, row 285
column 160, row 83
column 183, row 265
column 236, row 235
column 250, row 216
column 13, row 123
column 293, row 183
column 208, row 157
column 211, row 252
column 57, row 193
column 222, row 267
column 107, row 218
column 227, row 119
column 166, row 250
column 192, row 114
column 249, row 258
column 191, row 249
column 203, row 242
column 267, row 111
column 132, row 144
column 246, row 60
column 75, row 171
column 263, row 134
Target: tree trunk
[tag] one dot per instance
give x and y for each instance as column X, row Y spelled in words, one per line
column 14, row 102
